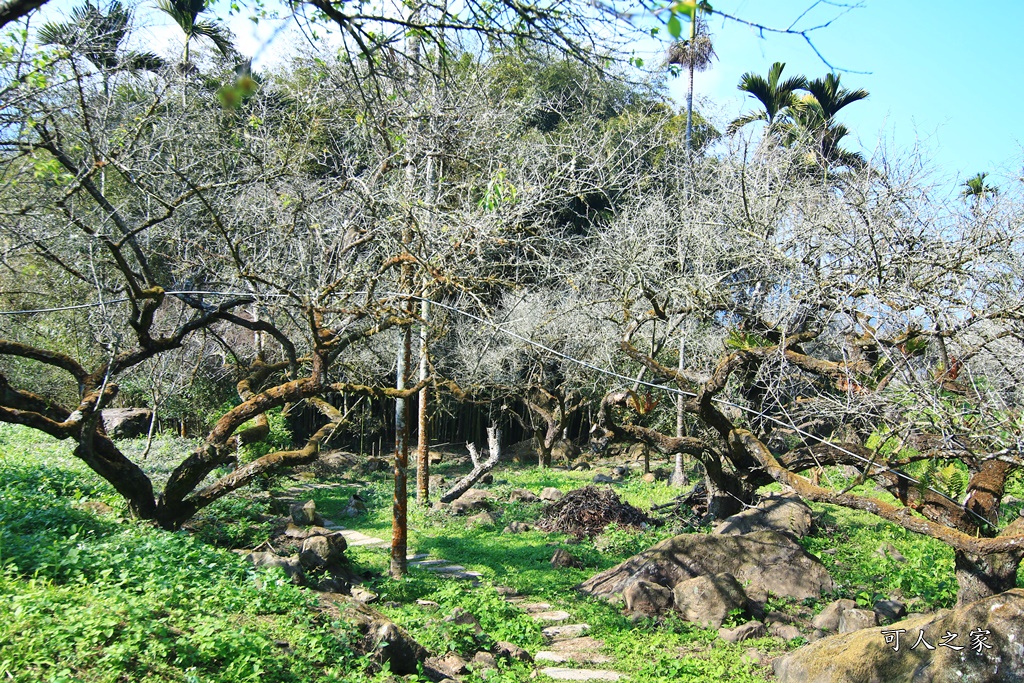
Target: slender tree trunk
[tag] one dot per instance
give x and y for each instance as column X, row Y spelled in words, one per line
column 689, row 94
column 400, row 508
column 423, row 444
column 678, row 475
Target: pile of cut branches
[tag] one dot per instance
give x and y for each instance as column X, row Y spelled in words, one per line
column 587, row 511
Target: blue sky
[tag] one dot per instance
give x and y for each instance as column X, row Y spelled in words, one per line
column 946, row 75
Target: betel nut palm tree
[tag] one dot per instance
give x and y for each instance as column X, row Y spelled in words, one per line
column 695, row 54
column 98, row 35
column 776, row 98
column 185, row 14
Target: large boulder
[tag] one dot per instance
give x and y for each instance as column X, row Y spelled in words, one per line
column 708, row 600
column 647, row 599
column 471, row 500
column 126, row 423
column 320, row 551
column 989, row 631
column 784, row 513
column 305, row 514
column 381, row 638
column 291, row 565
column 764, row 562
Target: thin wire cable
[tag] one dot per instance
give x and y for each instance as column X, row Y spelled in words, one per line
column 577, row 361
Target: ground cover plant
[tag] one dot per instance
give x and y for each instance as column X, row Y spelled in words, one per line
column 91, row 595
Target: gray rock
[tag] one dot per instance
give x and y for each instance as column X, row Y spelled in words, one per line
column 523, row 495
column 563, row 558
column 363, row 595
column 866, row 656
column 890, row 610
column 786, row 514
column 708, row 600
column 648, row 599
column 785, row 631
column 482, row 519
column 603, row 479
column 291, row 565
column 304, row 514
column 464, row 618
column 126, row 423
column 332, row 585
column 551, row 494
column 506, row 650
column 483, row 660
column 751, row 629
column 473, row 499
column 516, row 528
column 333, row 463
column 828, row 619
column 381, row 638
column 856, row 619
column 763, row 561
column 320, row 551
column 450, row 665
column 487, row 478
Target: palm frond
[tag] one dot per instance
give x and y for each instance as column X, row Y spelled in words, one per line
column 832, row 96
column 745, row 120
column 697, row 53
column 216, row 34
column 181, row 16
column 143, row 61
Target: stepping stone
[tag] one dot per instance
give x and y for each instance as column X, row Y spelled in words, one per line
column 417, row 557
column 585, row 650
column 450, row 569
column 426, row 564
column 560, row 674
column 534, row 606
column 554, row 615
column 547, row 656
column 366, row 541
column 565, row 631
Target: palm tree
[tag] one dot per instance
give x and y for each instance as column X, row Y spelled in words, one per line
column 831, row 96
column 776, row 98
column 976, row 189
column 97, row 35
column 695, row 54
column 810, row 123
column 185, row 14
column 813, row 116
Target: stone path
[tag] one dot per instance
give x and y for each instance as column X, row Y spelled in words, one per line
column 567, row 642
column 357, row 539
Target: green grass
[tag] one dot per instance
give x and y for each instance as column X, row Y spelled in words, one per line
column 99, row 598
column 87, row 598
